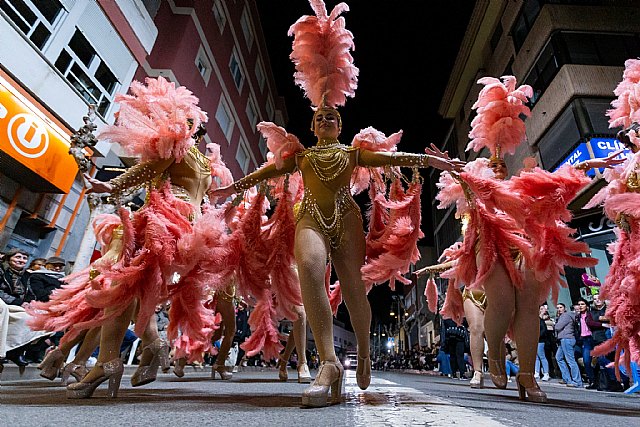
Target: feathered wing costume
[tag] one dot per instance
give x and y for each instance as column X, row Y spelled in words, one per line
column 521, row 217
column 165, row 255
column 621, row 202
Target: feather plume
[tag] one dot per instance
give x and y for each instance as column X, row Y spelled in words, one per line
column 499, row 106
column 321, row 54
column 431, row 294
column 152, row 121
column 626, row 107
column 280, row 142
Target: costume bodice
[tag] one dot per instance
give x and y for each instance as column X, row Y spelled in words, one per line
column 326, row 172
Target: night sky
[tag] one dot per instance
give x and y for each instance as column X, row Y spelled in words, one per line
column 405, row 51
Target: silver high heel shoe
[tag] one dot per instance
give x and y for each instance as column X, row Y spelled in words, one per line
column 304, row 376
column 148, row 373
column 113, row 370
column 71, row 369
column 51, row 364
column 363, row 372
column 222, row 371
column 329, row 377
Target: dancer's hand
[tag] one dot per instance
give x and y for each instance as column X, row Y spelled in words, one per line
column 222, row 192
column 97, row 186
column 433, row 150
column 452, row 165
column 605, row 162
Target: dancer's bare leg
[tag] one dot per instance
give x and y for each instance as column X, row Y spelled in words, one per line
column 475, row 319
column 528, row 302
column 89, row 343
column 149, row 335
column 111, row 337
column 228, row 313
column 299, row 337
column 348, row 259
column 501, row 302
column 66, row 347
column 311, row 258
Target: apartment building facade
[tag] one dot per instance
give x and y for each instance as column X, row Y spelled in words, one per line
column 59, row 56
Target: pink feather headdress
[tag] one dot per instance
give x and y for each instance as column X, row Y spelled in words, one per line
column 626, row 107
column 321, row 54
column 157, row 121
column 498, row 125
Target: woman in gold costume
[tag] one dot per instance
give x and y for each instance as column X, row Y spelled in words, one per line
column 160, row 124
column 329, row 225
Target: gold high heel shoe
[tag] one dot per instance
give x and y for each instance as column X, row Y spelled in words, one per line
column 72, row 369
column 329, row 377
column 304, row 376
column 113, row 370
column 222, row 371
column 497, row 373
column 51, row 364
column 178, row 367
column 282, row 370
column 363, row 372
column 148, row 373
column 528, row 388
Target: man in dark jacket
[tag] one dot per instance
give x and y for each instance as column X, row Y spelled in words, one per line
column 44, row 281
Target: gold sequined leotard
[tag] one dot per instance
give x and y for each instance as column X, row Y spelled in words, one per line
column 331, row 167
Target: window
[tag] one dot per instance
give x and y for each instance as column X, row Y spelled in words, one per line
column 252, row 115
column 218, row 14
column 242, row 157
column 270, row 109
column 152, row 7
column 236, row 71
column 262, row 145
column 582, row 49
column 35, row 19
column 203, row 65
column 524, row 22
column 560, row 139
column 223, row 116
column 260, row 76
column 84, row 69
column 245, row 23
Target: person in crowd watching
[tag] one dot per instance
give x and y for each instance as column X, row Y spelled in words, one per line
column 565, row 354
column 43, row 281
column 36, row 264
column 541, row 358
column 15, row 293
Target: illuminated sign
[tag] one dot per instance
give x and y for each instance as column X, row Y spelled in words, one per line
column 33, row 140
column 600, row 147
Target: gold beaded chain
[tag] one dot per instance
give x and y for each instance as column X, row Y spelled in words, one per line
column 328, row 162
column 332, row 226
column 201, row 159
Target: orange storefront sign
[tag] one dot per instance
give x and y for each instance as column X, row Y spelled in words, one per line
column 33, row 140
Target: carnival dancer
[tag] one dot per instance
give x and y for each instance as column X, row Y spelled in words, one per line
column 517, row 243
column 328, row 223
column 621, row 202
column 53, row 314
column 167, row 254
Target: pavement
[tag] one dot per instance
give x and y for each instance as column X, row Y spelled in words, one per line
column 12, row 372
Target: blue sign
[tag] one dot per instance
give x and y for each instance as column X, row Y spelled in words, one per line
column 601, row 148
column 580, row 154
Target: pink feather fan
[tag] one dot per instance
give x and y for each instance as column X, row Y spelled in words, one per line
column 498, row 125
column 321, row 54
column 152, row 122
